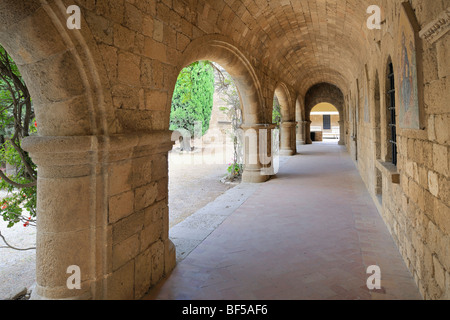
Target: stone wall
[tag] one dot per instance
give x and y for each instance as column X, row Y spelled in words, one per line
column 102, row 96
column 413, row 197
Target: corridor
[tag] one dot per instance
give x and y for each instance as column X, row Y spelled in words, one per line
column 308, row 233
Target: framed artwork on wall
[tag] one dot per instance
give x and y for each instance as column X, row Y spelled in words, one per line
column 409, row 84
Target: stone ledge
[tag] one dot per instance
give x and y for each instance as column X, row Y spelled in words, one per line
column 389, row 170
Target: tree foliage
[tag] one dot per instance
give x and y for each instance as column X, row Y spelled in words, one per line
column 192, row 100
column 276, row 116
column 16, row 123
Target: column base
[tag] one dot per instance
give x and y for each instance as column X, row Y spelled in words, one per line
column 254, row 176
column 170, row 257
column 287, row 153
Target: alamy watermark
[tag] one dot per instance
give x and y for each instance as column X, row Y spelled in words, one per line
column 74, row 280
column 74, row 20
column 374, row 281
column 256, row 147
column 374, row 21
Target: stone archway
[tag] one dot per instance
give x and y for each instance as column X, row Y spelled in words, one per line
column 300, row 118
column 288, row 123
column 98, row 207
column 67, row 86
column 221, row 50
column 324, row 92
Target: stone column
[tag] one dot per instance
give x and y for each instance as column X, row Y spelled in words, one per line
column 288, row 138
column 308, row 132
column 300, row 137
column 258, row 155
column 102, row 207
column 341, row 133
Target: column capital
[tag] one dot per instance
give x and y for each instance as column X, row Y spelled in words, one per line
column 73, row 150
column 258, row 126
column 289, row 124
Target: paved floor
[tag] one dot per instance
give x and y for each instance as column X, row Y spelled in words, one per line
column 309, row 233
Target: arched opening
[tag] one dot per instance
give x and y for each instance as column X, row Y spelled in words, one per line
column 67, row 83
column 325, row 125
column 257, row 168
column 324, row 93
column 284, row 119
column 18, row 180
column 299, row 118
column 391, row 120
column 206, row 160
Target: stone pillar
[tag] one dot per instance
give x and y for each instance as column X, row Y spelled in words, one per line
column 288, row 139
column 308, row 132
column 341, row 133
column 258, row 155
column 300, row 137
column 102, row 207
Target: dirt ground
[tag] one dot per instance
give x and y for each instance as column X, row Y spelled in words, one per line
column 194, row 181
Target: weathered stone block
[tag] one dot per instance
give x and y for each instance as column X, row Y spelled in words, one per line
column 121, row 206
column 441, row 156
column 119, row 177
column 439, row 273
column 155, row 100
column 127, row 227
column 129, row 69
column 143, row 273
column 145, row 196
column 125, row 251
column 124, row 38
column 157, row 261
column 433, row 183
column 155, row 50
column 121, row 283
column 142, row 172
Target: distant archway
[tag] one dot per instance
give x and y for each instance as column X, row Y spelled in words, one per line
column 324, row 93
column 325, row 121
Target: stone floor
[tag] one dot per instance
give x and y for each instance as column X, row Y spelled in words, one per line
column 309, row 233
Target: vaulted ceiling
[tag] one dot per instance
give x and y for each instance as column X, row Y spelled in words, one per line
column 305, row 41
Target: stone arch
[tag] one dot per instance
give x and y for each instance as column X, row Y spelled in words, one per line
column 377, row 113
column 387, row 151
column 288, row 123
column 324, row 92
column 62, row 68
column 222, row 51
column 66, row 76
column 300, row 119
column 284, row 97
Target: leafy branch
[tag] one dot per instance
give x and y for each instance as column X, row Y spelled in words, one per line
column 16, row 123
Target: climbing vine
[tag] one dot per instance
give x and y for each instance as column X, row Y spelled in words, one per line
column 18, row 173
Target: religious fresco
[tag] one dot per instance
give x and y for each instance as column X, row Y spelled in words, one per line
column 407, row 82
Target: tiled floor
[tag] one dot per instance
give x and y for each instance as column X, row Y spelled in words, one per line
column 309, row 233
